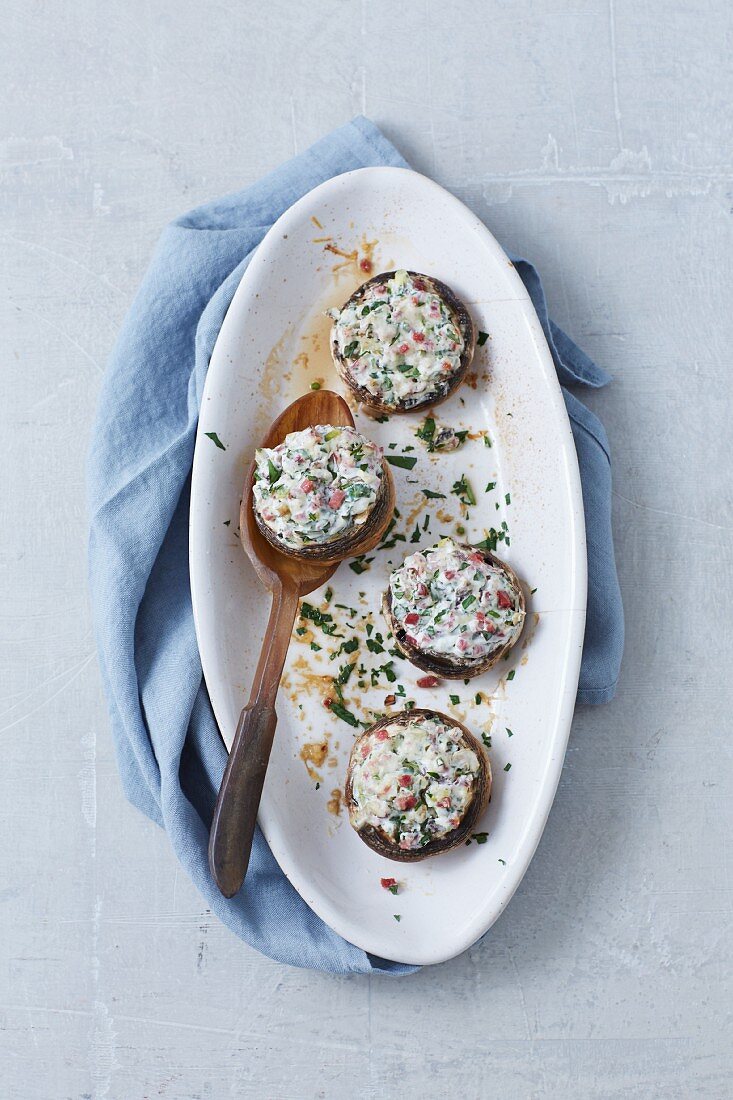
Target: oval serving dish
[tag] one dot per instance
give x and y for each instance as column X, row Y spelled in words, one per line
column 273, row 344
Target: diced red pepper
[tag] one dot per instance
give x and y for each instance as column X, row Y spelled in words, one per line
column 405, row 780
column 336, row 499
column 365, row 265
column 387, row 883
column 503, row 600
column 418, row 337
column 428, row 682
column 306, row 484
column 412, row 619
column 403, row 348
column 406, row 802
column 381, row 735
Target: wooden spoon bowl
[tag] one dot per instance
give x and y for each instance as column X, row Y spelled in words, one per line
column 288, row 577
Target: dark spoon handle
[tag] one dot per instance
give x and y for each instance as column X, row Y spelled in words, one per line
column 235, row 816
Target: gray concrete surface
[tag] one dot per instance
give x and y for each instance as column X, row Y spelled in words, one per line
column 596, row 139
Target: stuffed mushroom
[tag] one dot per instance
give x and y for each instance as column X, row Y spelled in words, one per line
column 417, row 784
column 402, row 342
column 454, row 610
column 324, row 493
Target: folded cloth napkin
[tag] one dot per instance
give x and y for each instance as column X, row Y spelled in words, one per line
column 169, row 751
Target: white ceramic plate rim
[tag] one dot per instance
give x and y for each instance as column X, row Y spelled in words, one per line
column 567, row 690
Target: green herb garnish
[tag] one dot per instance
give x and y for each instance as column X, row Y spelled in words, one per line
column 345, row 715
column 360, row 565
column 463, row 490
column 215, row 439
column 405, row 462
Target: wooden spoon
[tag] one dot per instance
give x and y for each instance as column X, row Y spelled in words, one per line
column 288, row 578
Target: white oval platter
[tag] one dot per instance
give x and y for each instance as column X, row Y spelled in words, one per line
column 272, row 346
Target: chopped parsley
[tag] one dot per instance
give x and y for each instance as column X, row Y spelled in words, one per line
column 361, row 564
column 405, row 462
column 345, row 715
column 426, row 431
column 215, row 439
column 463, row 490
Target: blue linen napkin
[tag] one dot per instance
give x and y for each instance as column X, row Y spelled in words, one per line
column 169, row 752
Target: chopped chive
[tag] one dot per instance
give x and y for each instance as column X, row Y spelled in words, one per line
column 482, row 338
column 510, row 674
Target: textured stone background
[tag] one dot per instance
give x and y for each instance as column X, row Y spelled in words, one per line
column 594, row 138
